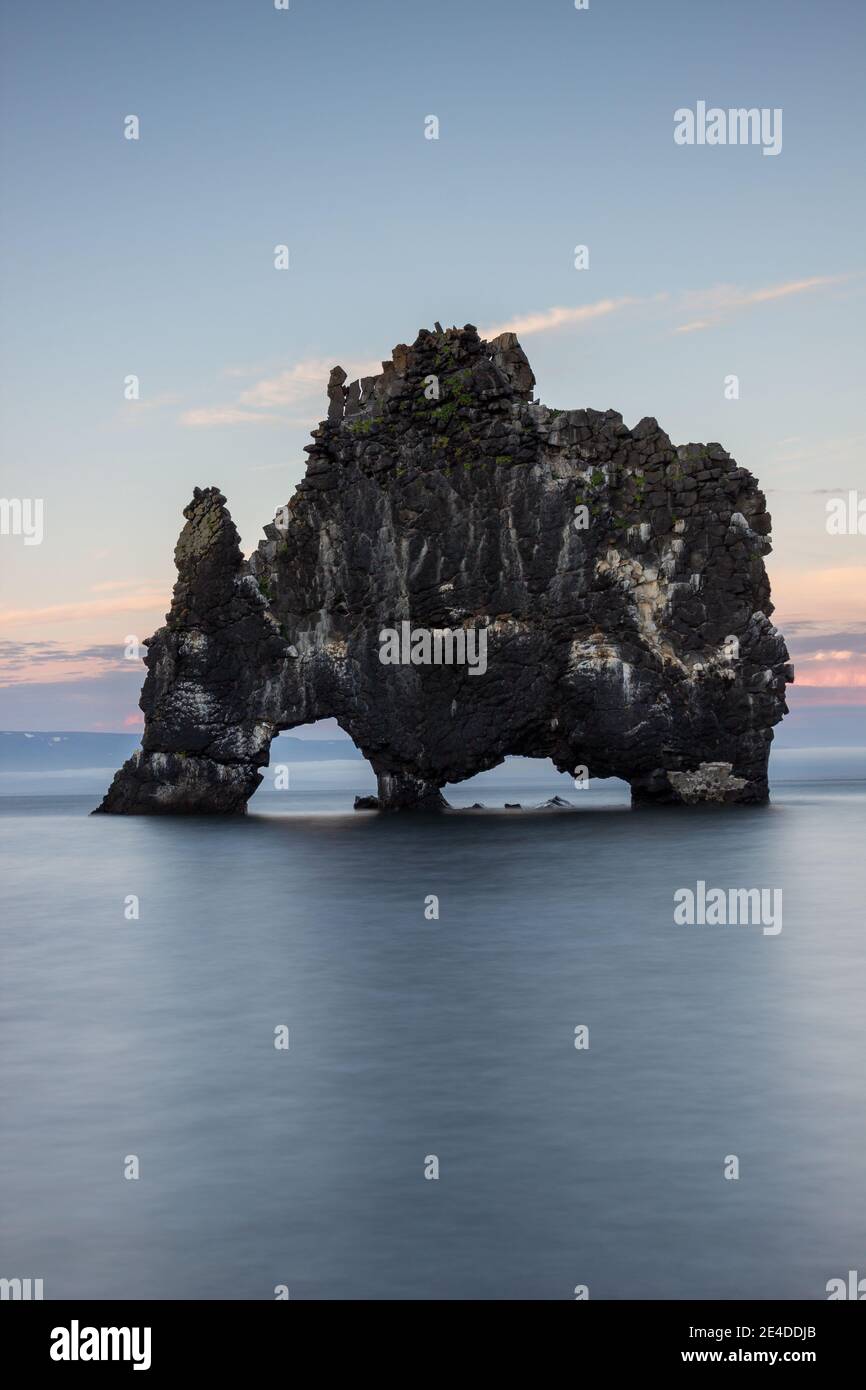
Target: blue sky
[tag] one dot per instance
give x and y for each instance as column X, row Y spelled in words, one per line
column 306, row 127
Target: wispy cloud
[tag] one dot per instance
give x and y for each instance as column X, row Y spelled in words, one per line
column 723, row 300
column 143, row 602
column 694, row 327
column 810, row 634
column 828, row 656
column 300, row 388
column 708, row 307
column 56, row 663
column 830, row 667
column 288, row 387
column 832, row 677
column 209, row 415
column 822, row 613
column 543, row 320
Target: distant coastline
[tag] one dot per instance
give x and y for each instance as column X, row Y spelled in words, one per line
column 29, row 760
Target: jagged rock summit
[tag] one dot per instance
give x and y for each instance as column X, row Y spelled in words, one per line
column 615, row 582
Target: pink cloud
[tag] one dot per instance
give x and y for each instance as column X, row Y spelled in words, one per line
column 543, row 320
column 207, row 416
column 288, row 387
column 86, row 608
column 302, row 387
column 727, row 299
column 806, row 696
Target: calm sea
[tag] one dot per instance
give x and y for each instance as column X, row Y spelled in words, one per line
column 413, row 1037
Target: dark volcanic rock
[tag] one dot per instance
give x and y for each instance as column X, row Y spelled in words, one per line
column 617, row 581
column 204, row 741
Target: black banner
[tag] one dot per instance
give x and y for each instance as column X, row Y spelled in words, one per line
column 159, row 1338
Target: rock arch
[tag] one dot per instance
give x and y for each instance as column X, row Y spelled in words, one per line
column 618, row 581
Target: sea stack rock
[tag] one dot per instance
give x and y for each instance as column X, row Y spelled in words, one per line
column 204, row 741
column 614, row 583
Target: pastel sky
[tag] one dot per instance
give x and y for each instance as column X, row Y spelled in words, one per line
column 306, row 127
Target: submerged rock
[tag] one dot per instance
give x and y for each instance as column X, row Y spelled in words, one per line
column 599, row 595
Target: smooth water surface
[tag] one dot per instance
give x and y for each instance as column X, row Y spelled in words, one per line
column 412, row 1037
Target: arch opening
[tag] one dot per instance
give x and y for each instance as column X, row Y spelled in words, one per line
column 525, row 783
column 312, row 768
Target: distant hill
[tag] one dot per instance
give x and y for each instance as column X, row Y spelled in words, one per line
column 66, row 752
